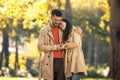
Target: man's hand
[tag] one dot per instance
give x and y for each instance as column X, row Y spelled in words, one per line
column 59, row 47
column 78, row 30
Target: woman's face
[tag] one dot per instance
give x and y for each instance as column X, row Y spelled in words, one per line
column 62, row 25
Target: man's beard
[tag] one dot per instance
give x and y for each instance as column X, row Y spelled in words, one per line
column 56, row 25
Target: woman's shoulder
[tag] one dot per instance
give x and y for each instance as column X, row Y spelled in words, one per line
column 73, row 31
column 73, row 28
column 76, row 31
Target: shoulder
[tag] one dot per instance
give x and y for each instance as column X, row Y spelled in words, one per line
column 74, row 28
column 45, row 28
column 73, row 32
column 77, row 30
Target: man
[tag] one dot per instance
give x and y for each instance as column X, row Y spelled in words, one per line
column 51, row 66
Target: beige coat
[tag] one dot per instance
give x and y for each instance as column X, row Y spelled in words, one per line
column 46, row 47
column 46, row 44
column 74, row 58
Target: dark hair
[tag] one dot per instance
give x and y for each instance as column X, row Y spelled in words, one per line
column 67, row 30
column 56, row 12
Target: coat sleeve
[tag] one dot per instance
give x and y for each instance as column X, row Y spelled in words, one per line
column 41, row 43
column 69, row 45
column 77, row 39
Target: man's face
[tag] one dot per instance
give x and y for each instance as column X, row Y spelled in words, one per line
column 56, row 20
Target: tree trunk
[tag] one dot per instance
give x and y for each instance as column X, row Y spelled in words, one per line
column 115, row 39
column 89, row 51
column 1, row 59
column 1, row 55
column 5, row 46
column 59, row 4
column 96, row 52
column 17, row 66
column 68, row 13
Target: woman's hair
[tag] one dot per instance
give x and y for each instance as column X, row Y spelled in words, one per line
column 67, row 30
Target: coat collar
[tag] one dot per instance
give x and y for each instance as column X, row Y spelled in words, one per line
column 50, row 33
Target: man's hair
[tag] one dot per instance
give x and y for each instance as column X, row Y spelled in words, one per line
column 56, row 12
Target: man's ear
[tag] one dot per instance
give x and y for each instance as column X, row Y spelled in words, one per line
column 51, row 17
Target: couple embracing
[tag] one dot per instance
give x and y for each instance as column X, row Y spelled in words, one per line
column 61, row 44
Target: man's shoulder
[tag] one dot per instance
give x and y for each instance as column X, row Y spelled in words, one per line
column 45, row 28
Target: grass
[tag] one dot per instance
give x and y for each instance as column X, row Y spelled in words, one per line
column 20, row 78
column 16, row 78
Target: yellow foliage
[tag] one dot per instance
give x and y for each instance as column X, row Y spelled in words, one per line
column 4, row 25
column 15, row 22
column 106, row 16
column 108, row 28
column 13, row 33
column 25, row 24
column 87, row 22
column 102, row 24
column 31, row 47
column 107, row 39
column 22, row 61
column 31, row 27
column 88, row 29
column 27, row 10
column 104, row 5
column 12, row 60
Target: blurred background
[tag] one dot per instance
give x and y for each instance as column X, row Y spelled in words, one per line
column 21, row 20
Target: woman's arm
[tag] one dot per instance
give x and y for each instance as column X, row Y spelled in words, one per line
column 70, row 45
column 76, row 35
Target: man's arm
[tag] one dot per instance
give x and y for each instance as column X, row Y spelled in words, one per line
column 78, row 30
column 43, row 47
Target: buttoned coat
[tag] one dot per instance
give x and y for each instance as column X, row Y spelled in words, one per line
column 46, row 47
column 74, row 58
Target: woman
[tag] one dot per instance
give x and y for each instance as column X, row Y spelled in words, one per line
column 74, row 58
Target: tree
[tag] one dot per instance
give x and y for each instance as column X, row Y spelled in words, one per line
column 68, row 10
column 115, row 39
column 94, row 21
column 20, row 18
column 5, row 50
